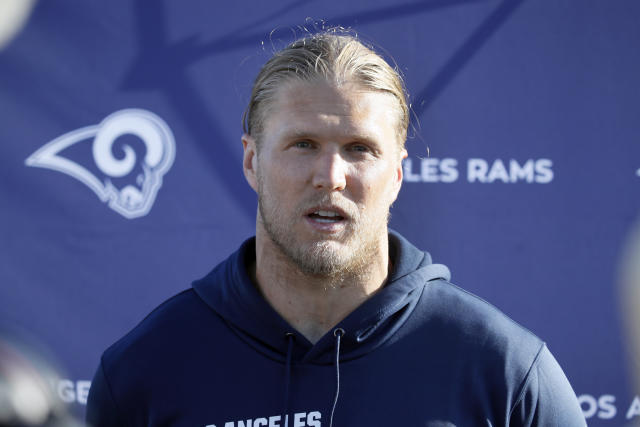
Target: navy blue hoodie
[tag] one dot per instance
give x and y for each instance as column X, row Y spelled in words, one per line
column 420, row 352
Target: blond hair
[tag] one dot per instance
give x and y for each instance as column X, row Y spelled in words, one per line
column 333, row 55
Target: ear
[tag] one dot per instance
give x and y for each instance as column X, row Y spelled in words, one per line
column 399, row 172
column 250, row 161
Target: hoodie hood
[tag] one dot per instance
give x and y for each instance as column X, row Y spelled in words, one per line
column 229, row 291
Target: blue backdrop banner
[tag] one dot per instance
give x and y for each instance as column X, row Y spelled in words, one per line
column 120, row 125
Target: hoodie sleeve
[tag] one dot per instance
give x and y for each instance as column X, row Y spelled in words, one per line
column 546, row 398
column 102, row 410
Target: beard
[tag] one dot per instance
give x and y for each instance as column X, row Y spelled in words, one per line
column 341, row 256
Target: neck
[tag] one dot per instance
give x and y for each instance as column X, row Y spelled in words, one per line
column 314, row 304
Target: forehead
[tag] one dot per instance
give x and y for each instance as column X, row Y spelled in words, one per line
column 320, row 107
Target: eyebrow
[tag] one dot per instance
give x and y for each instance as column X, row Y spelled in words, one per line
column 297, row 133
column 305, row 134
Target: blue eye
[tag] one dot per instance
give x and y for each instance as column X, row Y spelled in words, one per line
column 359, row 148
column 303, row 144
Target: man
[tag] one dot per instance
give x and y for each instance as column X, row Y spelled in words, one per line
column 325, row 318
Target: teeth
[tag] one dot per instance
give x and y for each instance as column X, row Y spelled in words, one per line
column 326, row 213
column 325, row 220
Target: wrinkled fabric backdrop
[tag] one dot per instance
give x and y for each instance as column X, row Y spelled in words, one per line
column 120, row 158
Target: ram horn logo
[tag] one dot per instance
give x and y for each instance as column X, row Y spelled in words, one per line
column 132, row 200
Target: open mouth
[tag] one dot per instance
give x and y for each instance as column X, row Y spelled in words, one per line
column 326, row 217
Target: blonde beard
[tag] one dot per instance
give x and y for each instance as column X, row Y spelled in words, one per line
column 321, row 258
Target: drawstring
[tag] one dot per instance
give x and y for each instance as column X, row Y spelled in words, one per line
column 290, row 336
column 287, row 378
column 338, row 333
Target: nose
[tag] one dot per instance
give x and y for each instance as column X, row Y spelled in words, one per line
column 329, row 172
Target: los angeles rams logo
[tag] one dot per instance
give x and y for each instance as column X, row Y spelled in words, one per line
column 136, row 198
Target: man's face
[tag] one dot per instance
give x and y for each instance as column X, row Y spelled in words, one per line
column 328, row 167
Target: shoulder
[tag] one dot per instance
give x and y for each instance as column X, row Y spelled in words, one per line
column 499, row 354
column 473, row 320
column 476, row 337
column 128, row 372
column 169, row 320
column 159, row 341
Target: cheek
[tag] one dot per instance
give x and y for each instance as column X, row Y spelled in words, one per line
column 281, row 179
column 377, row 184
